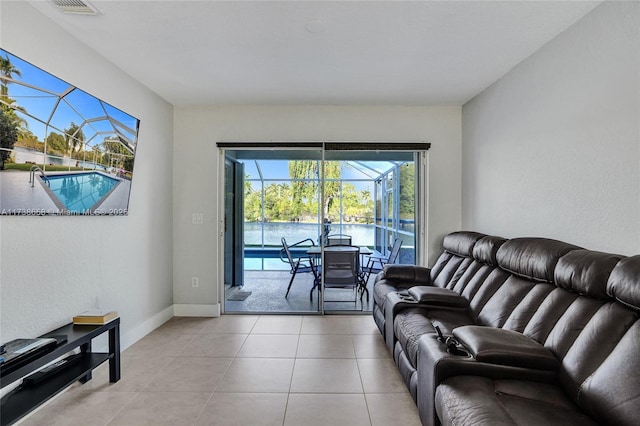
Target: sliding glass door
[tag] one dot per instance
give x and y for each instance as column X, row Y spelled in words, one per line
column 371, row 198
column 282, row 223
column 299, row 202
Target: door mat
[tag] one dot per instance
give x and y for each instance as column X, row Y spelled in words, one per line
column 239, row 296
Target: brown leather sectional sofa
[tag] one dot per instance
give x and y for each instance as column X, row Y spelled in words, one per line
column 524, row 331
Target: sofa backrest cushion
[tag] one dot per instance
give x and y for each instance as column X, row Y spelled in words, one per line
column 483, row 262
column 546, row 316
column 455, row 259
column 596, row 338
column 461, row 243
column 448, row 269
column 592, row 337
column 612, row 393
column 513, row 303
column 624, row 282
column 503, row 301
column 586, row 272
column 602, row 367
column 486, row 248
column 532, row 258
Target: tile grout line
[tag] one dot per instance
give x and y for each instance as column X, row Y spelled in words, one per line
column 220, row 379
column 293, row 369
column 331, row 327
column 364, row 392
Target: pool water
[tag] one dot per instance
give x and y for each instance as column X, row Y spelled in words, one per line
column 269, row 233
column 265, row 263
column 80, row 192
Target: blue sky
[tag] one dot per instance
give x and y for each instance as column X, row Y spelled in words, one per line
column 75, row 107
column 279, row 169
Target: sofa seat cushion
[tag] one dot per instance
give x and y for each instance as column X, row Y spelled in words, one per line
column 410, row 324
column 463, row 400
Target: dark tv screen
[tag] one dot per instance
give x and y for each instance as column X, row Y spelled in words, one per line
column 62, row 150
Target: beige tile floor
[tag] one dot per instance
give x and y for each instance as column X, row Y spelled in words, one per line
column 245, row 370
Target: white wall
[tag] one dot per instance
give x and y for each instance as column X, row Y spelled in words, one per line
column 55, row 267
column 197, row 129
column 553, row 148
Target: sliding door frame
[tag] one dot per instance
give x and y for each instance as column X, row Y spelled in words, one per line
column 421, row 160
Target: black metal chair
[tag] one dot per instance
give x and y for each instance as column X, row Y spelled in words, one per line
column 298, row 264
column 341, row 269
column 376, row 263
column 338, row 240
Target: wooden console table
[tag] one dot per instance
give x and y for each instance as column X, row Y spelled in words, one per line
column 24, row 399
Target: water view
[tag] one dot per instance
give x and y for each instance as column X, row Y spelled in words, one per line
column 258, row 234
column 268, row 235
column 272, row 232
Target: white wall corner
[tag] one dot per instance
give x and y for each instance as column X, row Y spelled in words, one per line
column 184, row 310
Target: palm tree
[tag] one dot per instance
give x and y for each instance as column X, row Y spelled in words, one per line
column 10, row 124
column 7, row 71
column 8, row 137
column 74, row 137
column 309, row 170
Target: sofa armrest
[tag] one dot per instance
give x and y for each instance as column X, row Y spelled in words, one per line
column 436, row 363
column 408, row 273
column 505, row 347
column 437, row 296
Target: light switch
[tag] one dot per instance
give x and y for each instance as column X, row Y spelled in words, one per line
column 197, row 218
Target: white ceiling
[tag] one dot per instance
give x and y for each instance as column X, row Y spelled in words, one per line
column 354, row 52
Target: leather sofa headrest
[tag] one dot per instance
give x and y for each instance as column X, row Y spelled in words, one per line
column 586, row 272
column 532, row 258
column 486, row 249
column 461, row 242
column 624, row 282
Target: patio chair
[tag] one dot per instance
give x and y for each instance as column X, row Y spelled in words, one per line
column 376, row 263
column 341, row 269
column 297, row 264
column 338, row 240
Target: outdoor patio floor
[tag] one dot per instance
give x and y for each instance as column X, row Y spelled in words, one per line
column 268, row 289
column 18, row 195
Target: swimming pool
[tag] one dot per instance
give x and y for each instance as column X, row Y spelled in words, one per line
column 81, row 192
column 268, row 258
column 270, row 233
column 262, row 241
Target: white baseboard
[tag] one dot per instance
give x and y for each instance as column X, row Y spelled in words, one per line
column 196, row 310
column 138, row 332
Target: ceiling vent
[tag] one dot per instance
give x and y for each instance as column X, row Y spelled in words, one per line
column 77, row 7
